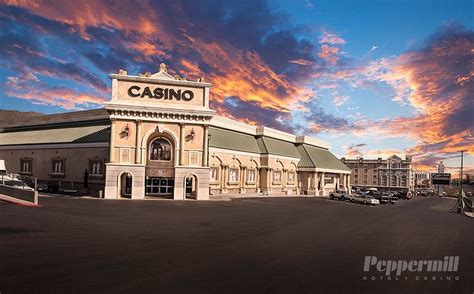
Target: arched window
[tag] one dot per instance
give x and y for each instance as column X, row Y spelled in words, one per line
column 160, row 149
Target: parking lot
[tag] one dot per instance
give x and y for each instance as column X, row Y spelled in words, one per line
column 257, row 245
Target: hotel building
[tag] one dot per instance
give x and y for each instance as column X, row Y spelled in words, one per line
column 393, row 172
column 157, row 136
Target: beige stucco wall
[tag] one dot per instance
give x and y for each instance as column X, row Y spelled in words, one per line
column 77, row 161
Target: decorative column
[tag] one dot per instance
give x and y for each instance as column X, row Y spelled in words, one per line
column 138, row 149
column 112, row 141
column 268, row 184
column 257, row 179
column 206, row 146
column 181, row 144
column 224, row 178
column 323, row 183
column 315, row 183
column 242, row 179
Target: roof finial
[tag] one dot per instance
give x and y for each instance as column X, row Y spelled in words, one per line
column 163, row 67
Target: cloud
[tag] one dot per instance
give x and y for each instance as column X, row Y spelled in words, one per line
column 250, row 63
column 373, row 48
column 437, row 81
column 332, row 39
column 330, row 54
column 301, row 62
column 339, row 100
column 28, row 86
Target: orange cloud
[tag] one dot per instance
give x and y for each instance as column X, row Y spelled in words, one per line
column 329, row 53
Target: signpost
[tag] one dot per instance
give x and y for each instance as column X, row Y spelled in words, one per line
column 440, row 179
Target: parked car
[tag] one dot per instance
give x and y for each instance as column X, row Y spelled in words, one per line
column 18, row 185
column 341, row 195
column 365, row 199
column 42, row 187
column 393, row 199
column 382, row 198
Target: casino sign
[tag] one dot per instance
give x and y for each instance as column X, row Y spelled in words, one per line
column 160, row 93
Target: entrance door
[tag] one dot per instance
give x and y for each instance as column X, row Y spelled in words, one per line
column 158, row 186
column 126, row 185
column 189, row 187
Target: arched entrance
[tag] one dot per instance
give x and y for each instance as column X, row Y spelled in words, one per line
column 191, row 186
column 126, row 180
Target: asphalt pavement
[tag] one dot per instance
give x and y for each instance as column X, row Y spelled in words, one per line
column 258, row 245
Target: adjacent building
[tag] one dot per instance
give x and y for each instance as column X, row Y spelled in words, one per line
column 157, row 136
column 393, row 172
column 422, row 180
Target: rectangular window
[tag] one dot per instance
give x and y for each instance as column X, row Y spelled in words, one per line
column 291, row 177
column 96, row 167
column 124, row 155
column 26, row 165
column 276, row 177
column 250, row 176
column 58, row 166
column 193, row 158
column 213, row 174
column 233, row 175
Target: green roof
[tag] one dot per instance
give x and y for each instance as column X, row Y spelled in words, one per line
column 277, row 147
column 232, row 140
column 316, row 157
column 78, row 134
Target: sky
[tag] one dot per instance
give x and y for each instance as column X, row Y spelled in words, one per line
column 373, row 78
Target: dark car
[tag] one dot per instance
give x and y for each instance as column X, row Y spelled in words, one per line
column 393, row 199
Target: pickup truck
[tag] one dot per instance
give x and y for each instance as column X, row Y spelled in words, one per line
column 365, row 199
column 341, row 195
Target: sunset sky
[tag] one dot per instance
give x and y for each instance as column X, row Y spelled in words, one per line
column 373, row 78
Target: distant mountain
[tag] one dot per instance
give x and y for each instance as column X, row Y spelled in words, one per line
column 8, row 115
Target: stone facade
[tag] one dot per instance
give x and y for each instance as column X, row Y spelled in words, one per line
column 393, row 172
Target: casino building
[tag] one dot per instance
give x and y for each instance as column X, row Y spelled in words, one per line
column 157, row 137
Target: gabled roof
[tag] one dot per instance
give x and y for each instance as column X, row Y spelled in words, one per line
column 315, row 157
column 77, row 134
column 274, row 146
column 231, row 140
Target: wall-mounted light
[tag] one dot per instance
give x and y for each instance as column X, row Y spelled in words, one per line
column 191, row 135
column 124, row 132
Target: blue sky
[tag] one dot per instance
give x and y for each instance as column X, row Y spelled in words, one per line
column 371, row 77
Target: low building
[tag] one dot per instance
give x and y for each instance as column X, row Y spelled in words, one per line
column 422, row 180
column 157, row 136
column 391, row 173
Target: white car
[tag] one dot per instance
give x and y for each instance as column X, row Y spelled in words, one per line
column 365, row 199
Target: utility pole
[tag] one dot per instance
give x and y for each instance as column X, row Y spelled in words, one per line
column 459, row 208
column 389, row 173
column 462, row 165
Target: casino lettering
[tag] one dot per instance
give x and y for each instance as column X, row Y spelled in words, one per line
column 160, row 93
